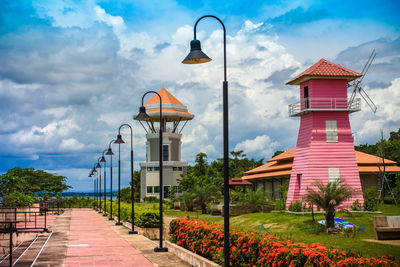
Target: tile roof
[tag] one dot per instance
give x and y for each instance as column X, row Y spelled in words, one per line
column 167, row 98
column 325, row 69
column 172, row 108
column 238, row 181
column 282, row 165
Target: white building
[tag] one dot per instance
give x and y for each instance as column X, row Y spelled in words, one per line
column 174, row 118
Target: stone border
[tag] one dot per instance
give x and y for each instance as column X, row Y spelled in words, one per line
column 188, row 256
column 322, row 212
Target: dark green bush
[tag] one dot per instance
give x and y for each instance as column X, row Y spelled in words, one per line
column 144, row 218
column 370, row 199
column 356, row 206
column 147, row 218
column 296, row 206
column 150, row 199
column 18, row 199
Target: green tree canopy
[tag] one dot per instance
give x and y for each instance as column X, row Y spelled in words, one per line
column 204, row 181
column 29, row 181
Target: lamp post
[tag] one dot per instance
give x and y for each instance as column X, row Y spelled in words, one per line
column 103, row 159
column 110, row 153
column 98, row 166
column 119, row 184
column 196, row 56
column 144, row 116
column 120, row 141
column 90, row 175
column 97, row 187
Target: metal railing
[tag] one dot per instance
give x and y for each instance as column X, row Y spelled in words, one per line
column 34, row 219
column 324, row 104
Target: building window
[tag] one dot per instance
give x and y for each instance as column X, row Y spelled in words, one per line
column 149, row 169
column 150, row 190
column 165, row 153
column 299, row 177
column 156, row 169
column 333, row 174
column 156, row 189
column 174, row 168
column 180, row 169
column 331, row 131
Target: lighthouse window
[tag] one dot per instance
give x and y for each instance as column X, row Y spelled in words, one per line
column 334, row 174
column 165, row 153
column 331, row 131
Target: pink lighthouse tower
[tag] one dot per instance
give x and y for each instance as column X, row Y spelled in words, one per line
column 324, row 149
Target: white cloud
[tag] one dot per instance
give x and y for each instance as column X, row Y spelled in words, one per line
column 71, row 144
column 368, row 125
column 262, row 146
column 66, row 89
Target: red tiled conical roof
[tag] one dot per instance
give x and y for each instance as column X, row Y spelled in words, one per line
column 167, row 98
column 172, row 108
column 325, row 69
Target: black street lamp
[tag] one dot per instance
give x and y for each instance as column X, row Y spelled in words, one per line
column 143, row 116
column 120, row 141
column 196, row 56
column 98, row 166
column 94, row 185
column 103, row 159
column 97, row 187
column 110, row 153
column 119, row 181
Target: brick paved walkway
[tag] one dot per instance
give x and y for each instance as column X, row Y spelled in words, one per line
column 91, row 242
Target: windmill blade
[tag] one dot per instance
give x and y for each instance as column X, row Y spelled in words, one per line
column 353, row 95
column 367, row 99
column 369, row 62
column 365, row 69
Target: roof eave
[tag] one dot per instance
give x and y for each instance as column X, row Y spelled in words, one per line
column 304, row 78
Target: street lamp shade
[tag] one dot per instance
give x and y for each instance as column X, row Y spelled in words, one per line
column 119, row 140
column 98, row 165
column 109, row 152
column 103, row 159
column 196, row 56
column 142, row 116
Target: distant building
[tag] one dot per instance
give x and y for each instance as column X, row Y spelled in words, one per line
column 175, row 116
column 279, row 168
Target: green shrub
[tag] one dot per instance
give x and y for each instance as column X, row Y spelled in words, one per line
column 147, row 218
column 18, row 199
column 356, row 206
column 144, row 218
column 150, row 199
column 296, row 206
column 370, row 199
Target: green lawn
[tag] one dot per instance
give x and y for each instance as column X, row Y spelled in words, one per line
column 303, row 229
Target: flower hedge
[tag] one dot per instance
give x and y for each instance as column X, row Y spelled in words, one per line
column 253, row 249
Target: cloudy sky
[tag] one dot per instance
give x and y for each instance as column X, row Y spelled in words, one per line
column 71, row 72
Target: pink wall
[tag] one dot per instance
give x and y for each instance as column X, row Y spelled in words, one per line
column 314, row 155
column 325, row 88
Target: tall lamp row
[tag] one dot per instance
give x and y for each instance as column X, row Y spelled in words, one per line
column 195, row 56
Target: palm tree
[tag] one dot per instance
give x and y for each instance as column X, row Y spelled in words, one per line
column 329, row 197
column 204, row 195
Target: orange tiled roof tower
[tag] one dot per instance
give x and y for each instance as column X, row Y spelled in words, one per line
column 174, row 118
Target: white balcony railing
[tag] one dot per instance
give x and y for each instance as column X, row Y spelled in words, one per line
column 323, row 104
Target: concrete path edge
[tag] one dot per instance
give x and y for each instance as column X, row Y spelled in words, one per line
column 188, row 256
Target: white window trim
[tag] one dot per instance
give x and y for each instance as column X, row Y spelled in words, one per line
column 331, row 131
column 333, row 174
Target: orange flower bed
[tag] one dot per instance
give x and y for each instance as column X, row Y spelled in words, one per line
column 253, row 249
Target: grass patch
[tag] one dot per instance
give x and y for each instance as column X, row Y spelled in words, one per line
column 303, row 229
